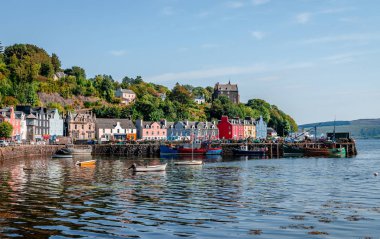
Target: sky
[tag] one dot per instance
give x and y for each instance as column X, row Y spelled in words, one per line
column 315, row 59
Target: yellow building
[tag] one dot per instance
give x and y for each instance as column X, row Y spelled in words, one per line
column 249, row 128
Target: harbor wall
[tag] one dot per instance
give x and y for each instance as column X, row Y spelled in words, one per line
column 7, row 153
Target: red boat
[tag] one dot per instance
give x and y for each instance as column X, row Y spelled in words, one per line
column 192, row 151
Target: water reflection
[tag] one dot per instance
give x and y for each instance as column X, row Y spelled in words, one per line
column 229, row 197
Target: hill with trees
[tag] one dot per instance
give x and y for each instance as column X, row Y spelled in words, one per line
column 29, row 75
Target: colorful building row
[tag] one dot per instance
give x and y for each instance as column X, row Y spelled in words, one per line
column 237, row 129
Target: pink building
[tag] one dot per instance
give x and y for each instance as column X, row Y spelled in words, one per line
column 8, row 115
column 147, row 130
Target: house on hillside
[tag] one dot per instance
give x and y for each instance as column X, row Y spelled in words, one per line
column 200, row 100
column 126, row 96
column 114, row 129
column 229, row 90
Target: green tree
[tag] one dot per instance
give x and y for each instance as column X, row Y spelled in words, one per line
column 5, row 130
column 55, row 62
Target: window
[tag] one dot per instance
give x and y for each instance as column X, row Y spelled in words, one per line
column 75, row 127
column 82, row 126
column 118, row 130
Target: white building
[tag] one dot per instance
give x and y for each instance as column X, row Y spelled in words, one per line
column 200, row 100
column 114, row 129
column 126, row 96
column 55, row 123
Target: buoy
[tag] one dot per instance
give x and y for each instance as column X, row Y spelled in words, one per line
column 376, row 174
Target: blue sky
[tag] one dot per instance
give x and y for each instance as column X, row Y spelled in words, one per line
column 315, row 59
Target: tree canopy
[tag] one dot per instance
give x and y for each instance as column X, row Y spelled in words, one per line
column 5, row 130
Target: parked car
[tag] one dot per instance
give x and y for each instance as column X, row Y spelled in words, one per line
column 3, row 143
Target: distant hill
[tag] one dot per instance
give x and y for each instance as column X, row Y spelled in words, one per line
column 361, row 128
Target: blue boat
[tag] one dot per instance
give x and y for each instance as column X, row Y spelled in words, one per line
column 168, row 149
column 214, row 151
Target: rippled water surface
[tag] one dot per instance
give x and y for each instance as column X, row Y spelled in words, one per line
column 225, row 198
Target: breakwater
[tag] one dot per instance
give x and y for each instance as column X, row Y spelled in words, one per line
column 27, row 151
column 274, row 150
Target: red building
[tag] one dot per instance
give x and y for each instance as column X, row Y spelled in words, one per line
column 230, row 128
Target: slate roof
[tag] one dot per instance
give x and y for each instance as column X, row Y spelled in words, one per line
column 126, row 91
column 226, row 87
column 111, row 123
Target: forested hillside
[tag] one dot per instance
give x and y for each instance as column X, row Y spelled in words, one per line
column 27, row 76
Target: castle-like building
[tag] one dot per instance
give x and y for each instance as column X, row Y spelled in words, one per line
column 229, row 90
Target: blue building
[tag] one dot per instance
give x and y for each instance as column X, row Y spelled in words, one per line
column 261, row 129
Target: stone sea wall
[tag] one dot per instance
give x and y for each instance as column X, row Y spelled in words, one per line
column 27, row 151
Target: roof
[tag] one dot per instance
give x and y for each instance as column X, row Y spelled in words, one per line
column 226, row 87
column 126, row 91
column 31, row 116
column 111, row 123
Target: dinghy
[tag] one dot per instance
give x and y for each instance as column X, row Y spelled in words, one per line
column 192, row 162
column 86, row 163
column 148, row 168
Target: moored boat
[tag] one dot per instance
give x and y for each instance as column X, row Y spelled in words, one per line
column 191, row 162
column 243, row 150
column 168, row 149
column 214, row 151
column 184, row 150
column 148, row 168
column 80, row 150
column 86, row 163
column 293, row 151
column 62, row 153
column 326, row 151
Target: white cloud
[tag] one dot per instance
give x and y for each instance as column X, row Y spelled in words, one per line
column 303, row 18
column 118, row 52
column 228, row 71
column 360, row 37
column 234, row 4
column 259, row 2
column 258, row 35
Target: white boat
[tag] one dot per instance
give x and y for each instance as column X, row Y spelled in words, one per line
column 80, row 150
column 148, row 168
column 192, row 162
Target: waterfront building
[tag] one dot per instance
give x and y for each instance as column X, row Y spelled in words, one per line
column 8, row 115
column 55, row 123
column 126, row 96
column 229, row 90
column 231, row 128
column 80, row 125
column 37, row 122
column 249, row 128
column 23, row 129
column 271, row 133
column 188, row 130
column 261, row 128
column 114, row 129
column 148, row 130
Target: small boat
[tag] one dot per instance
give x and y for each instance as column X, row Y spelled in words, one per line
column 243, row 150
column 168, row 149
column 80, row 150
column 86, row 163
column 62, row 153
column 293, row 151
column 214, row 151
column 326, row 151
column 148, row 168
column 192, row 162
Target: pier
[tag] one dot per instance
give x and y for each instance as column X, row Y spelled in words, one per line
column 275, row 150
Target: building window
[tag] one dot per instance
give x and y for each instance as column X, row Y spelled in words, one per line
column 75, row 127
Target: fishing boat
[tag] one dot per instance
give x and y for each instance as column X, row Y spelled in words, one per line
column 326, row 152
column 168, row 149
column 185, row 150
column 62, row 153
column 190, row 162
column 148, row 168
column 214, row 151
column 293, row 151
column 243, row 150
column 86, row 163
